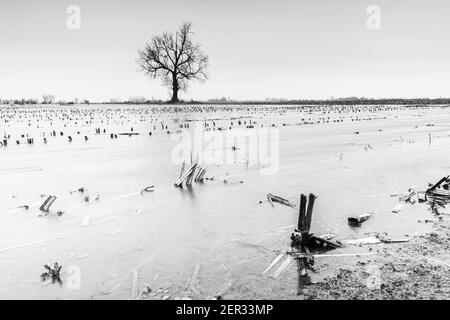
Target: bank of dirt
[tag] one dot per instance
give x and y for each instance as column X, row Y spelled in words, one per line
column 419, row 269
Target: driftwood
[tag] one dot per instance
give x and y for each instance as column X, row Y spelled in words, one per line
column 439, row 195
column 357, row 220
column 148, row 189
column 297, row 255
column 436, row 204
column 128, row 134
column 199, row 176
column 437, row 185
column 303, row 240
column 327, row 236
column 302, row 213
column 199, row 171
column 370, row 240
column 439, row 191
column 190, row 177
column 305, row 216
column 309, row 256
column 274, row 198
column 394, row 240
column 202, row 175
column 182, row 169
column 322, row 242
column 47, row 203
column 301, row 237
column 185, row 175
column 270, row 201
column 191, row 174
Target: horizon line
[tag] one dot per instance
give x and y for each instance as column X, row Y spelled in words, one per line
column 224, row 101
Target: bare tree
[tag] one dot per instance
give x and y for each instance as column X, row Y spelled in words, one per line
column 174, row 59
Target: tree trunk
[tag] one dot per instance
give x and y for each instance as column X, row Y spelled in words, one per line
column 174, row 90
column 174, row 95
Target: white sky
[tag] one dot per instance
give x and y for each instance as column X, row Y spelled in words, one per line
column 280, row 49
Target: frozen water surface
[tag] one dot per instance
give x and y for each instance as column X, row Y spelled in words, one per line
column 218, row 226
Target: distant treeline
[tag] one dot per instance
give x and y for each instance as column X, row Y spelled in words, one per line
column 19, row 101
column 421, row 101
column 355, row 101
column 22, row 102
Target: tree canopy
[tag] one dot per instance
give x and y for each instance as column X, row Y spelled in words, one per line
column 175, row 59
